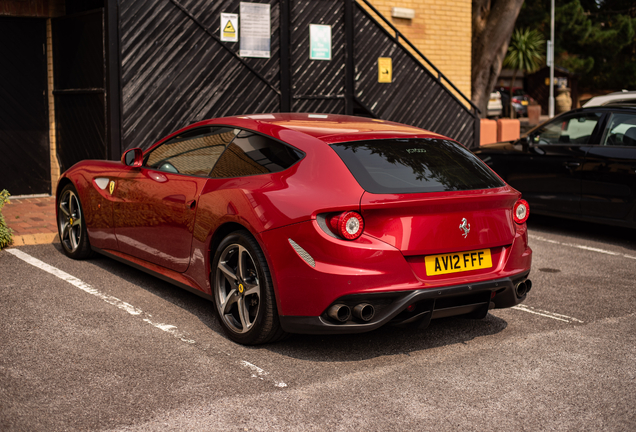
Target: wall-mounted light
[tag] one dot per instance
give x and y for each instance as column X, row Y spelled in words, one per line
column 404, row 13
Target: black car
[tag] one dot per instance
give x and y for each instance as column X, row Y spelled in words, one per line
column 580, row 164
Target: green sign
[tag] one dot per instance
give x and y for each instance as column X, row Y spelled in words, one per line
column 319, row 42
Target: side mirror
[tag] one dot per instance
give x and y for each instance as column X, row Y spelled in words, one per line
column 133, row 157
column 525, row 142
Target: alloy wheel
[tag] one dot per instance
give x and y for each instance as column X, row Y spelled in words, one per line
column 70, row 221
column 237, row 289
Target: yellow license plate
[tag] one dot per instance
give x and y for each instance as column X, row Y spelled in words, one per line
column 457, row 262
column 524, row 102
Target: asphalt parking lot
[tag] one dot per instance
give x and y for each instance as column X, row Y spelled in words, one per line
column 97, row 345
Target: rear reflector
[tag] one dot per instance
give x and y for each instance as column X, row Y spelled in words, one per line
column 521, row 211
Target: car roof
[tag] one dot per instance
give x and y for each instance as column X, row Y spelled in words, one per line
column 603, row 108
column 612, row 98
column 329, row 128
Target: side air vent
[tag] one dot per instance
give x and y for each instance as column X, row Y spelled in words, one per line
column 302, row 253
column 101, row 182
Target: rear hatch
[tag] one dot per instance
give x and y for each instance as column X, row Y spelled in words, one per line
column 443, row 208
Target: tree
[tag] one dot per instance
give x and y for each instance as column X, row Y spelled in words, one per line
column 595, row 39
column 493, row 22
column 525, row 52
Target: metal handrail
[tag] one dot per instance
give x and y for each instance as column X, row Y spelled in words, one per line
column 399, row 35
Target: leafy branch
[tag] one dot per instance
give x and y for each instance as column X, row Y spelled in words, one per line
column 6, row 233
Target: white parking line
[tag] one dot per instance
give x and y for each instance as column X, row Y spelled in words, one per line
column 168, row 328
column 546, row 314
column 588, row 248
column 260, row 373
column 75, row 281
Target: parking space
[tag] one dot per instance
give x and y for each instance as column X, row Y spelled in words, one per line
column 98, row 345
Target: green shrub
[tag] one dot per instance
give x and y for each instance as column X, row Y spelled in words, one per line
column 6, row 233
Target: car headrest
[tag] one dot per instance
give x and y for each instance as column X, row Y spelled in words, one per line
column 630, row 136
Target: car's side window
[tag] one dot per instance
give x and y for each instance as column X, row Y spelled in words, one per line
column 621, row 130
column 251, row 154
column 193, row 153
column 575, row 129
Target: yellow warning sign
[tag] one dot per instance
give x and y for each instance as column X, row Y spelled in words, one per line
column 229, row 27
column 229, row 31
column 385, row 70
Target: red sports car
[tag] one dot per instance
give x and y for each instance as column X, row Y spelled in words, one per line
column 307, row 223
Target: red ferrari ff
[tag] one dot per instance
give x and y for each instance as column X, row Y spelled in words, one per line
column 307, row 223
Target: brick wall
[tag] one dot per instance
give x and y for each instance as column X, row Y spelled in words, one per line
column 55, row 166
column 441, row 30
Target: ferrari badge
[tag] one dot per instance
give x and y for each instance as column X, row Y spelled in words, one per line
column 465, row 227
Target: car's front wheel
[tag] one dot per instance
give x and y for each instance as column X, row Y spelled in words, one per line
column 243, row 293
column 70, row 224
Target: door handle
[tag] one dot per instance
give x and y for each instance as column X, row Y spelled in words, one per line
column 571, row 165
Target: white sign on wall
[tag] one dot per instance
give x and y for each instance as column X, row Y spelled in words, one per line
column 319, row 42
column 229, row 27
column 255, row 30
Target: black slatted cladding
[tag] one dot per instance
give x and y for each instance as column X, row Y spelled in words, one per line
column 175, row 70
column 317, row 85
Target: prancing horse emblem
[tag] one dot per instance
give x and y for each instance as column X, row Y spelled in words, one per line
column 465, row 226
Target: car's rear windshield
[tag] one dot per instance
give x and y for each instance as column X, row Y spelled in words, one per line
column 415, row 165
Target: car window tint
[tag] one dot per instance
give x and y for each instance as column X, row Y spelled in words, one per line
column 415, row 165
column 575, row 129
column 194, row 152
column 252, row 154
column 621, row 130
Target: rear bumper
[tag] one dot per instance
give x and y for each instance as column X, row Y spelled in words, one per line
column 473, row 299
column 313, row 271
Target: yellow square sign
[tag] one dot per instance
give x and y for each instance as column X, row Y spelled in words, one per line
column 385, row 70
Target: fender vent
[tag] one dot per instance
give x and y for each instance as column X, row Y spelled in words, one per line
column 302, row 253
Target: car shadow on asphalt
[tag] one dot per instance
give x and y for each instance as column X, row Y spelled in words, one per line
column 198, row 306
column 387, row 340
column 619, row 236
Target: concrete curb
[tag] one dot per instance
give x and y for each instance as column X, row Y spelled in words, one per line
column 35, row 239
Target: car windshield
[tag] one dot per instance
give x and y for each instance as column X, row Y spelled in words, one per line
column 415, row 165
column 574, row 129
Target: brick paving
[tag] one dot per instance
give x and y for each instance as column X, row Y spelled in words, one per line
column 32, row 220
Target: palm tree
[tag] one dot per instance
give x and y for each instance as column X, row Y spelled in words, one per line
column 525, row 52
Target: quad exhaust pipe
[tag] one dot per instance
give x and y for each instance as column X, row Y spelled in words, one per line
column 364, row 312
column 342, row 313
column 339, row 312
column 523, row 287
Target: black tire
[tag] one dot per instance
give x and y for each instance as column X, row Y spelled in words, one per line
column 71, row 225
column 243, row 293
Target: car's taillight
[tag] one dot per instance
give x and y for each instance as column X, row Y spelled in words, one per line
column 348, row 225
column 521, row 211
